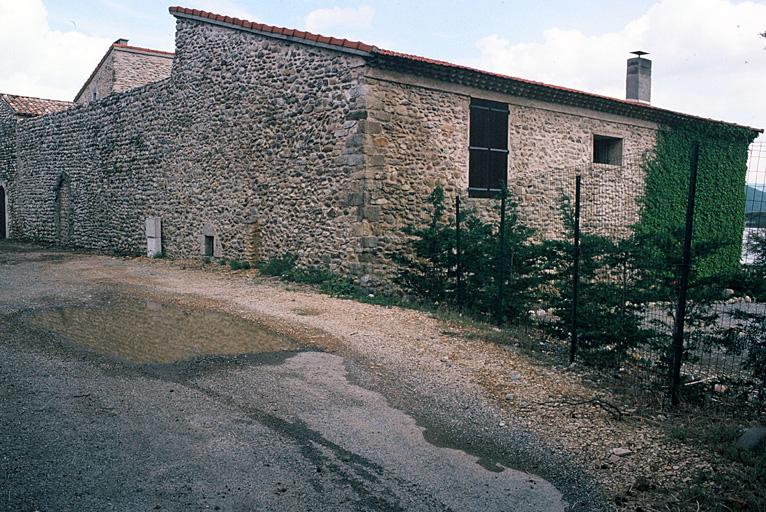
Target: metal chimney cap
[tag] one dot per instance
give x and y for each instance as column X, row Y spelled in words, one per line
column 639, row 53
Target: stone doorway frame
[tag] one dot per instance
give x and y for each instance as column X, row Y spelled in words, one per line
column 61, row 182
column 6, row 210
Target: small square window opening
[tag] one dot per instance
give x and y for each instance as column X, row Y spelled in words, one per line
column 607, row 150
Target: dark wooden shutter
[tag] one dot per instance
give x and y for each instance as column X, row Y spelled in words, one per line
column 488, row 150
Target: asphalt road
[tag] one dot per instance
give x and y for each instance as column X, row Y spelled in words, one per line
column 93, row 417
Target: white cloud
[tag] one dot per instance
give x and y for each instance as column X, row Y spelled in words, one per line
column 38, row 61
column 340, row 20
column 707, row 58
column 231, row 8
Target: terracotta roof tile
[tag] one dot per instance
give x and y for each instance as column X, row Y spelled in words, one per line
column 33, row 107
column 474, row 76
column 299, row 34
column 557, row 92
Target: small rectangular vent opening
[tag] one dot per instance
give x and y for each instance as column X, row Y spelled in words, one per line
column 607, row 150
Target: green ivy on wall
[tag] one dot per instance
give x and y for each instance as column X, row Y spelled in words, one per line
column 719, row 210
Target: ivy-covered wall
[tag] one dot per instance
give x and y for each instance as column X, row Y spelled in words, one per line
column 720, row 200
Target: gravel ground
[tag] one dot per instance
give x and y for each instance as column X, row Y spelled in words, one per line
column 446, row 376
column 379, row 408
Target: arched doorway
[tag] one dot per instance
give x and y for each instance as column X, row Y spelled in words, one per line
column 3, row 213
column 63, row 212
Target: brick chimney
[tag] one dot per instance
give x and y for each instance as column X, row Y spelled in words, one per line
column 638, row 81
column 121, row 41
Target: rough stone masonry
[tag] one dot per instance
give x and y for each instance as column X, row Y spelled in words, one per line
column 264, row 141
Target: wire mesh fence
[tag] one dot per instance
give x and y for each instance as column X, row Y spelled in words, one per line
column 571, row 257
column 634, row 297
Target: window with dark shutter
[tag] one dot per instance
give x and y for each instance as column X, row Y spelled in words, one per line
column 488, row 148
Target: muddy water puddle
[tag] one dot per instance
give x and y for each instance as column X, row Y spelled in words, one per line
column 144, row 331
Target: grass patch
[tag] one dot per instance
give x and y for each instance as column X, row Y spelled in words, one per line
column 325, row 281
column 279, row 266
column 239, row 265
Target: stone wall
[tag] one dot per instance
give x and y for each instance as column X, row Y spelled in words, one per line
column 123, row 69
column 249, row 140
column 7, row 158
column 272, row 146
column 134, row 68
column 101, row 82
column 548, row 148
column 418, row 138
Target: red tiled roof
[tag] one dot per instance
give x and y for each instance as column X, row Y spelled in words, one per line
column 539, row 90
column 33, row 107
column 261, row 27
column 464, row 74
column 416, row 58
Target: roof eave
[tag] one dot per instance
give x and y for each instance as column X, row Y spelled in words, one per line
column 525, row 88
column 11, row 101
column 252, row 27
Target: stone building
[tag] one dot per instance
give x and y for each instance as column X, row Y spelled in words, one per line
column 264, row 140
column 14, row 109
column 123, row 68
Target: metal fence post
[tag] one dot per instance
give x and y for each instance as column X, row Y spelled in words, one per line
column 683, row 281
column 576, row 270
column 500, row 275
column 458, row 267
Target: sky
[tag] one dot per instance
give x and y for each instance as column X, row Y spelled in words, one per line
column 708, row 57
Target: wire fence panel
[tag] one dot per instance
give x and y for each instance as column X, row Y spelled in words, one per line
column 627, row 284
column 723, row 323
column 755, row 198
column 576, row 256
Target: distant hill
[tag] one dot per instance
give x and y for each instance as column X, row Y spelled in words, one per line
column 755, row 199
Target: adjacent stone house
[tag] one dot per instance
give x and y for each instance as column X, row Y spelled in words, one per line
column 123, row 68
column 14, row 109
column 263, row 140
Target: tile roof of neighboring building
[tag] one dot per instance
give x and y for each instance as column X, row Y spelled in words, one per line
column 458, row 73
column 32, row 107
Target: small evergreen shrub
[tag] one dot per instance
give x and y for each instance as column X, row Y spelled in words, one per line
column 609, row 314
column 237, row 265
column 429, row 264
column 278, row 266
column 284, row 267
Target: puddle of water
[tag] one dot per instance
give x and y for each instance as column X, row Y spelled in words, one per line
column 152, row 332
column 17, row 258
column 362, row 429
column 434, row 438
